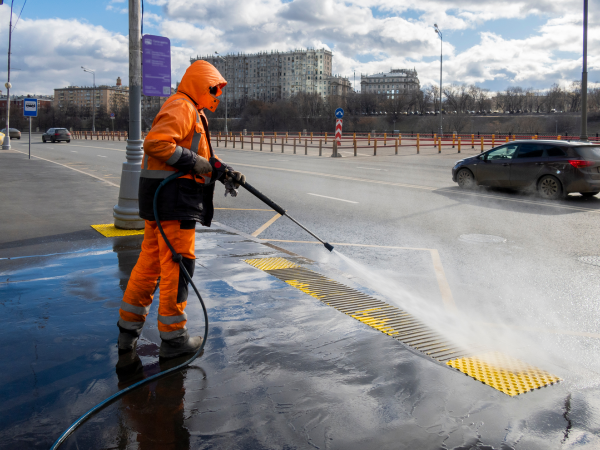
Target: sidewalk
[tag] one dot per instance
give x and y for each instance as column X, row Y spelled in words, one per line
column 281, row 369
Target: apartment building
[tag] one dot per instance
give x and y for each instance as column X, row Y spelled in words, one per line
column 394, row 82
column 88, row 97
column 44, row 101
column 105, row 97
column 270, row 76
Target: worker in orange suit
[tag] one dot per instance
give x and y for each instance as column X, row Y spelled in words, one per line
column 178, row 142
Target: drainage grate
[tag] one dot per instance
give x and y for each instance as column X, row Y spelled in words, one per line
column 593, row 260
column 497, row 370
column 482, row 238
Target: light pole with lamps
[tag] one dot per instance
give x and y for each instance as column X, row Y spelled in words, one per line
column 584, row 74
column 439, row 33
column 219, row 56
column 93, row 72
column 6, row 141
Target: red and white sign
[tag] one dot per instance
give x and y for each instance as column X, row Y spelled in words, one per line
column 338, row 130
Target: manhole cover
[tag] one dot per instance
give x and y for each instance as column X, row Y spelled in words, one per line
column 593, row 260
column 482, row 238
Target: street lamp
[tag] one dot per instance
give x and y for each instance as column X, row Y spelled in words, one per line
column 219, row 56
column 93, row 72
column 584, row 135
column 6, row 141
column 439, row 33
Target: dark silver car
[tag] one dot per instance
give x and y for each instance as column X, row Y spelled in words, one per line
column 553, row 168
column 14, row 133
column 56, row 135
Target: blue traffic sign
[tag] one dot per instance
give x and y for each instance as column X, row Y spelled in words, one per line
column 339, row 113
column 30, row 107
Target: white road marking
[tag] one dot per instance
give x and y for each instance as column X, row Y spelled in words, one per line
column 73, row 151
column 332, row 198
column 369, row 168
column 101, row 156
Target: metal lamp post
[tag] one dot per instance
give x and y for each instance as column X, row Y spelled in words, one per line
column 6, row 141
column 127, row 212
column 584, row 135
column 439, row 33
column 226, row 102
column 93, row 72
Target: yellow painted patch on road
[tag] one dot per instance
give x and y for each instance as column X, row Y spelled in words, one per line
column 109, row 230
column 505, row 373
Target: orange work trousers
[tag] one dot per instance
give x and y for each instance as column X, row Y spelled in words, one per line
column 156, row 261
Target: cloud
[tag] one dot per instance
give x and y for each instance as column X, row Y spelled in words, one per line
column 366, row 36
column 49, row 53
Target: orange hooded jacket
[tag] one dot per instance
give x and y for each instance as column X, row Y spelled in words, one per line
column 178, row 120
column 179, row 133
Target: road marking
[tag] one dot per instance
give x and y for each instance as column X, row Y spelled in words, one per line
column 72, row 168
column 101, row 156
column 102, row 148
column 449, row 190
column 73, row 151
column 266, row 225
column 332, row 198
column 244, row 209
column 369, row 168
column 440, row 275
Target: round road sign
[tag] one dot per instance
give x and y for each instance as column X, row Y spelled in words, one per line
column 339, row 113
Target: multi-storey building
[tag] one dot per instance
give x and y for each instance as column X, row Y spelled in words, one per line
column 83, row 97
column 44, row 101
column 271, row 76
column 394, row 82
column 106, row 96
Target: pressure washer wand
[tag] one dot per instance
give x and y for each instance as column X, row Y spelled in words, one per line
column 281, row 211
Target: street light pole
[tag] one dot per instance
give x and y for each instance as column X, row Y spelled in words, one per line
column 127, row 212
column 584, row 135
column 226, row 69
column 93, row 72
column 6, row 141
column 439, row 33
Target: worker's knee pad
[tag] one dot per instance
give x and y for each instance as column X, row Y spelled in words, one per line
column 182, row 288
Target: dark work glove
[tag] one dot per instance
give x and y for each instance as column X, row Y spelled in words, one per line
column 236, row 178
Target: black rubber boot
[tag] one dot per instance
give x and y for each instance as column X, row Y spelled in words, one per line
column 172, row 348
column 127, row 339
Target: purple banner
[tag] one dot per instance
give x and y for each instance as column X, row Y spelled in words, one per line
column 156, row 66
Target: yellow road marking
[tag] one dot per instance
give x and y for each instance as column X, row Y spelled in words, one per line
column 245, row 209
column 266, row 225
column 72, row 168
column 442, row 281
column 438, row 268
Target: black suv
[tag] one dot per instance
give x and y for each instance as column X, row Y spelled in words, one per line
column 553, row 168
column 56, row 134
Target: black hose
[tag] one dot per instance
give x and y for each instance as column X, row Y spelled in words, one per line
column 177, row 258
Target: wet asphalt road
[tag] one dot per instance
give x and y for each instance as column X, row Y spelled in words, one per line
column 531, row 286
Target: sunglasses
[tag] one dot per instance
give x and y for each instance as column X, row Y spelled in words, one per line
column 214, row 90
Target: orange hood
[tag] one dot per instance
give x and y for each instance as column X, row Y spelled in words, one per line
column 197, row 81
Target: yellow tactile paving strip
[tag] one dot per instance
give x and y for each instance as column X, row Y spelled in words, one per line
column 109, row 230
column 497, row 370
column 271, row 263
column 502, row 372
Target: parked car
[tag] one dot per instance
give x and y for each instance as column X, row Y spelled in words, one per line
column 1, row 138
column 14, row 133
column 56, row 135
column 553, row 168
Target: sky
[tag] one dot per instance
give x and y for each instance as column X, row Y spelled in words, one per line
column 493, row 44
